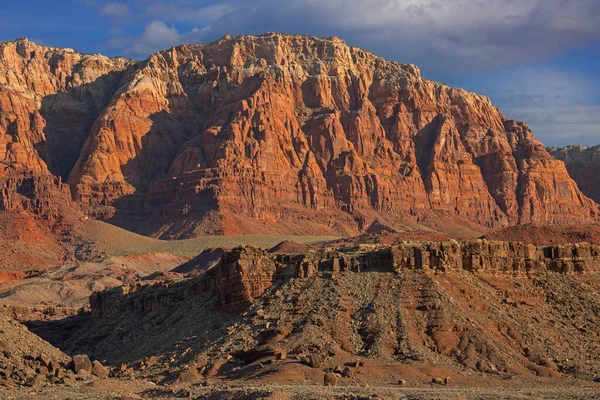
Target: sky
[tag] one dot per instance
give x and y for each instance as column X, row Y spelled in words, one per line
column 538, row 60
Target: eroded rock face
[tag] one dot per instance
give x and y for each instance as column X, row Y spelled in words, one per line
column 250, row 272
column 245, row 273
column 49, row 100
column 36, row 220
column 583, row 164
column 271, row 126
column 40, row 194
column 272, row 133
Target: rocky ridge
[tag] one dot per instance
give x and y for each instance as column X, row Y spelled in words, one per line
column 245, row 273
column 275, row 132
column 505, row 309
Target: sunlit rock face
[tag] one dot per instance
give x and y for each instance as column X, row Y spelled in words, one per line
column 272, row 133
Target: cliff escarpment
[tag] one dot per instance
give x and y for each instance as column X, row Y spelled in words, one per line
column 583, row 164
column 245, row 273
column 487, row 307
column 281, row 133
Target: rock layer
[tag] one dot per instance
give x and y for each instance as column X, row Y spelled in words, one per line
column 273, row 132
column 266, row 126
column 245, row 273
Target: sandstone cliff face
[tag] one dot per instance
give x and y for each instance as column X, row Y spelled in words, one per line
column 49, row 99
column 243, row 275
column 273, row 132
column 266, row 127
column 583, row 164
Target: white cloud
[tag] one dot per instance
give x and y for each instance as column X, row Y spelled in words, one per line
column 158, row 31
column 444, row 37
column 116, row 11
column 156, row 36
column 189, row 15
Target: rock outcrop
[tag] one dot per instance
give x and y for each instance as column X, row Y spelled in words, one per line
column 39, row 194
column 492, row 307
column 583, row 164
column 242, row 275
column 274, row 132
column 245, row 273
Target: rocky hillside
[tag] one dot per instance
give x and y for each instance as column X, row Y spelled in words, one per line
column 583, row 164
column 409, row 311
column 274, row 133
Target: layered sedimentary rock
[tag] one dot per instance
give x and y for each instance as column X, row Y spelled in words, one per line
column 273, row 132
column 270, row 127
column 245, row 273
column 40, row 194
column 491, row 307
column 49, row 100
column 583, row 164
column 36, row 220
column 260, row 127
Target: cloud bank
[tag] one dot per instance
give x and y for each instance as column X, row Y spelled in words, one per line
column 446, row 36
column 505, row 42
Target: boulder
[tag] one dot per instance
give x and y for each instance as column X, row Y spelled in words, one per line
column 99, row 370
column 330, row 379
column 81, row 362
column 314, row 360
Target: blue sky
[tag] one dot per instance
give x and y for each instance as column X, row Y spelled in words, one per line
column 538, row 60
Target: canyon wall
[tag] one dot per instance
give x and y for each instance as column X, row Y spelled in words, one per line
column 272, row 133
column 277, row 128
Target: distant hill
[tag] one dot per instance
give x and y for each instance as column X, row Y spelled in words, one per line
column 583, row 164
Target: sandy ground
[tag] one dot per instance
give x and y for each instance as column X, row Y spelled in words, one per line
column 120, row 242
column 126, row 389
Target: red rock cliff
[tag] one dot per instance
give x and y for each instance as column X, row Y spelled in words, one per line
column 269, row 127
column 49, row 99
column 281, row 133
